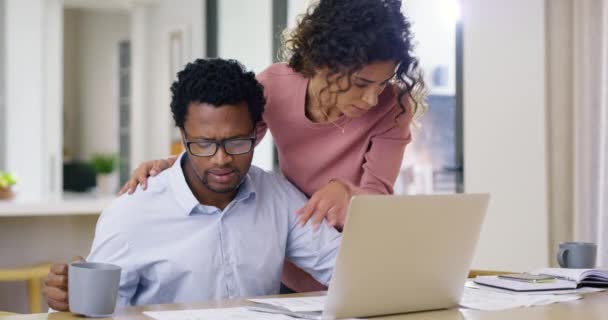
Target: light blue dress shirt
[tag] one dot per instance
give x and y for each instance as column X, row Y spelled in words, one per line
column 173, row 249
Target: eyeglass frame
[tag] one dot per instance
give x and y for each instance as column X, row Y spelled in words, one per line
column 217, row 144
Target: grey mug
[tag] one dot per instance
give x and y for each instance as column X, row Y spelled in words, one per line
column 577, row 255
column 93, row 288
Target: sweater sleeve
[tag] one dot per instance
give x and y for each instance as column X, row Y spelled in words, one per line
column 385, row 155
column 261, row 127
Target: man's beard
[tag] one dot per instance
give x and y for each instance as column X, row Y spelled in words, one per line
column 205, row 180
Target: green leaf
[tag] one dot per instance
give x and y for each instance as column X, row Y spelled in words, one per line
column 104, row 163
column 11, row 178
column 7, row 179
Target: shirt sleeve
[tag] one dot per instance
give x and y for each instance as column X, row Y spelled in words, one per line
column 110, row 245
column 313, row 251
column 385, row 155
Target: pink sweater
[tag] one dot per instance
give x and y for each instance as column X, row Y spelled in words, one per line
column 367, row 156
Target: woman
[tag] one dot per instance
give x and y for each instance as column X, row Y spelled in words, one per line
column 339, row 110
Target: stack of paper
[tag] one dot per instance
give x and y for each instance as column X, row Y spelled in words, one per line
column 482, row 299
column 302, row 304
column 215, row 314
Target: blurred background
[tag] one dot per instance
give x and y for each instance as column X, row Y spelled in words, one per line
column 517, row 96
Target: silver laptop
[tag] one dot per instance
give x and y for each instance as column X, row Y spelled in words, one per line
column 402, row 254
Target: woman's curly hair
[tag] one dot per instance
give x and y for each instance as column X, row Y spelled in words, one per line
column 216, row 82
column 345, row 35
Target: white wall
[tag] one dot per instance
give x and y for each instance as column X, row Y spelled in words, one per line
column 33, row 75
column 248, row 38
column 504, row 129
column 248, row 41
column 560, row 84
column 33, row 100
column 52, row 86
column 71, row 83
column 294, row 9
column 2, row 91
column 434, row 29
column 152, row 123
column 23, row 26
column 139, row 70
column 98, row 37
column 91, row 79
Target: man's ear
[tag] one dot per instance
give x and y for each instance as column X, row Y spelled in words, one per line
column 256, row 131
column 183, row 134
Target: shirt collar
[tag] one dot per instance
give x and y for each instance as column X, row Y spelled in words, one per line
column 186, row 199
column 246, row 189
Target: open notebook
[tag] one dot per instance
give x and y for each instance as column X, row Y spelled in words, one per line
column 522, row 286
column 565, row 279
column 582, row 277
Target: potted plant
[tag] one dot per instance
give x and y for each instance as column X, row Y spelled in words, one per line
column 105, row 165
column 7, row 181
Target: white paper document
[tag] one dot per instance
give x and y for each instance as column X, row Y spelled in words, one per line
column 480, row 299
column 302, row 304
column 215, row 314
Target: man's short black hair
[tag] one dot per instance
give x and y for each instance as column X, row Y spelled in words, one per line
column 216, row 82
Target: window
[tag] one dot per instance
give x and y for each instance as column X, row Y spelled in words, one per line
column 433, row 161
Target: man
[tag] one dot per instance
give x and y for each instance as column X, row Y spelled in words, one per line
column 212, row 226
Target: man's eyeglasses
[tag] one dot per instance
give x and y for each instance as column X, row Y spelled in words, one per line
column 208, row 148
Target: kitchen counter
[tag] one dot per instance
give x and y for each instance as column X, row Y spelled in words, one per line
column 68, row 206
